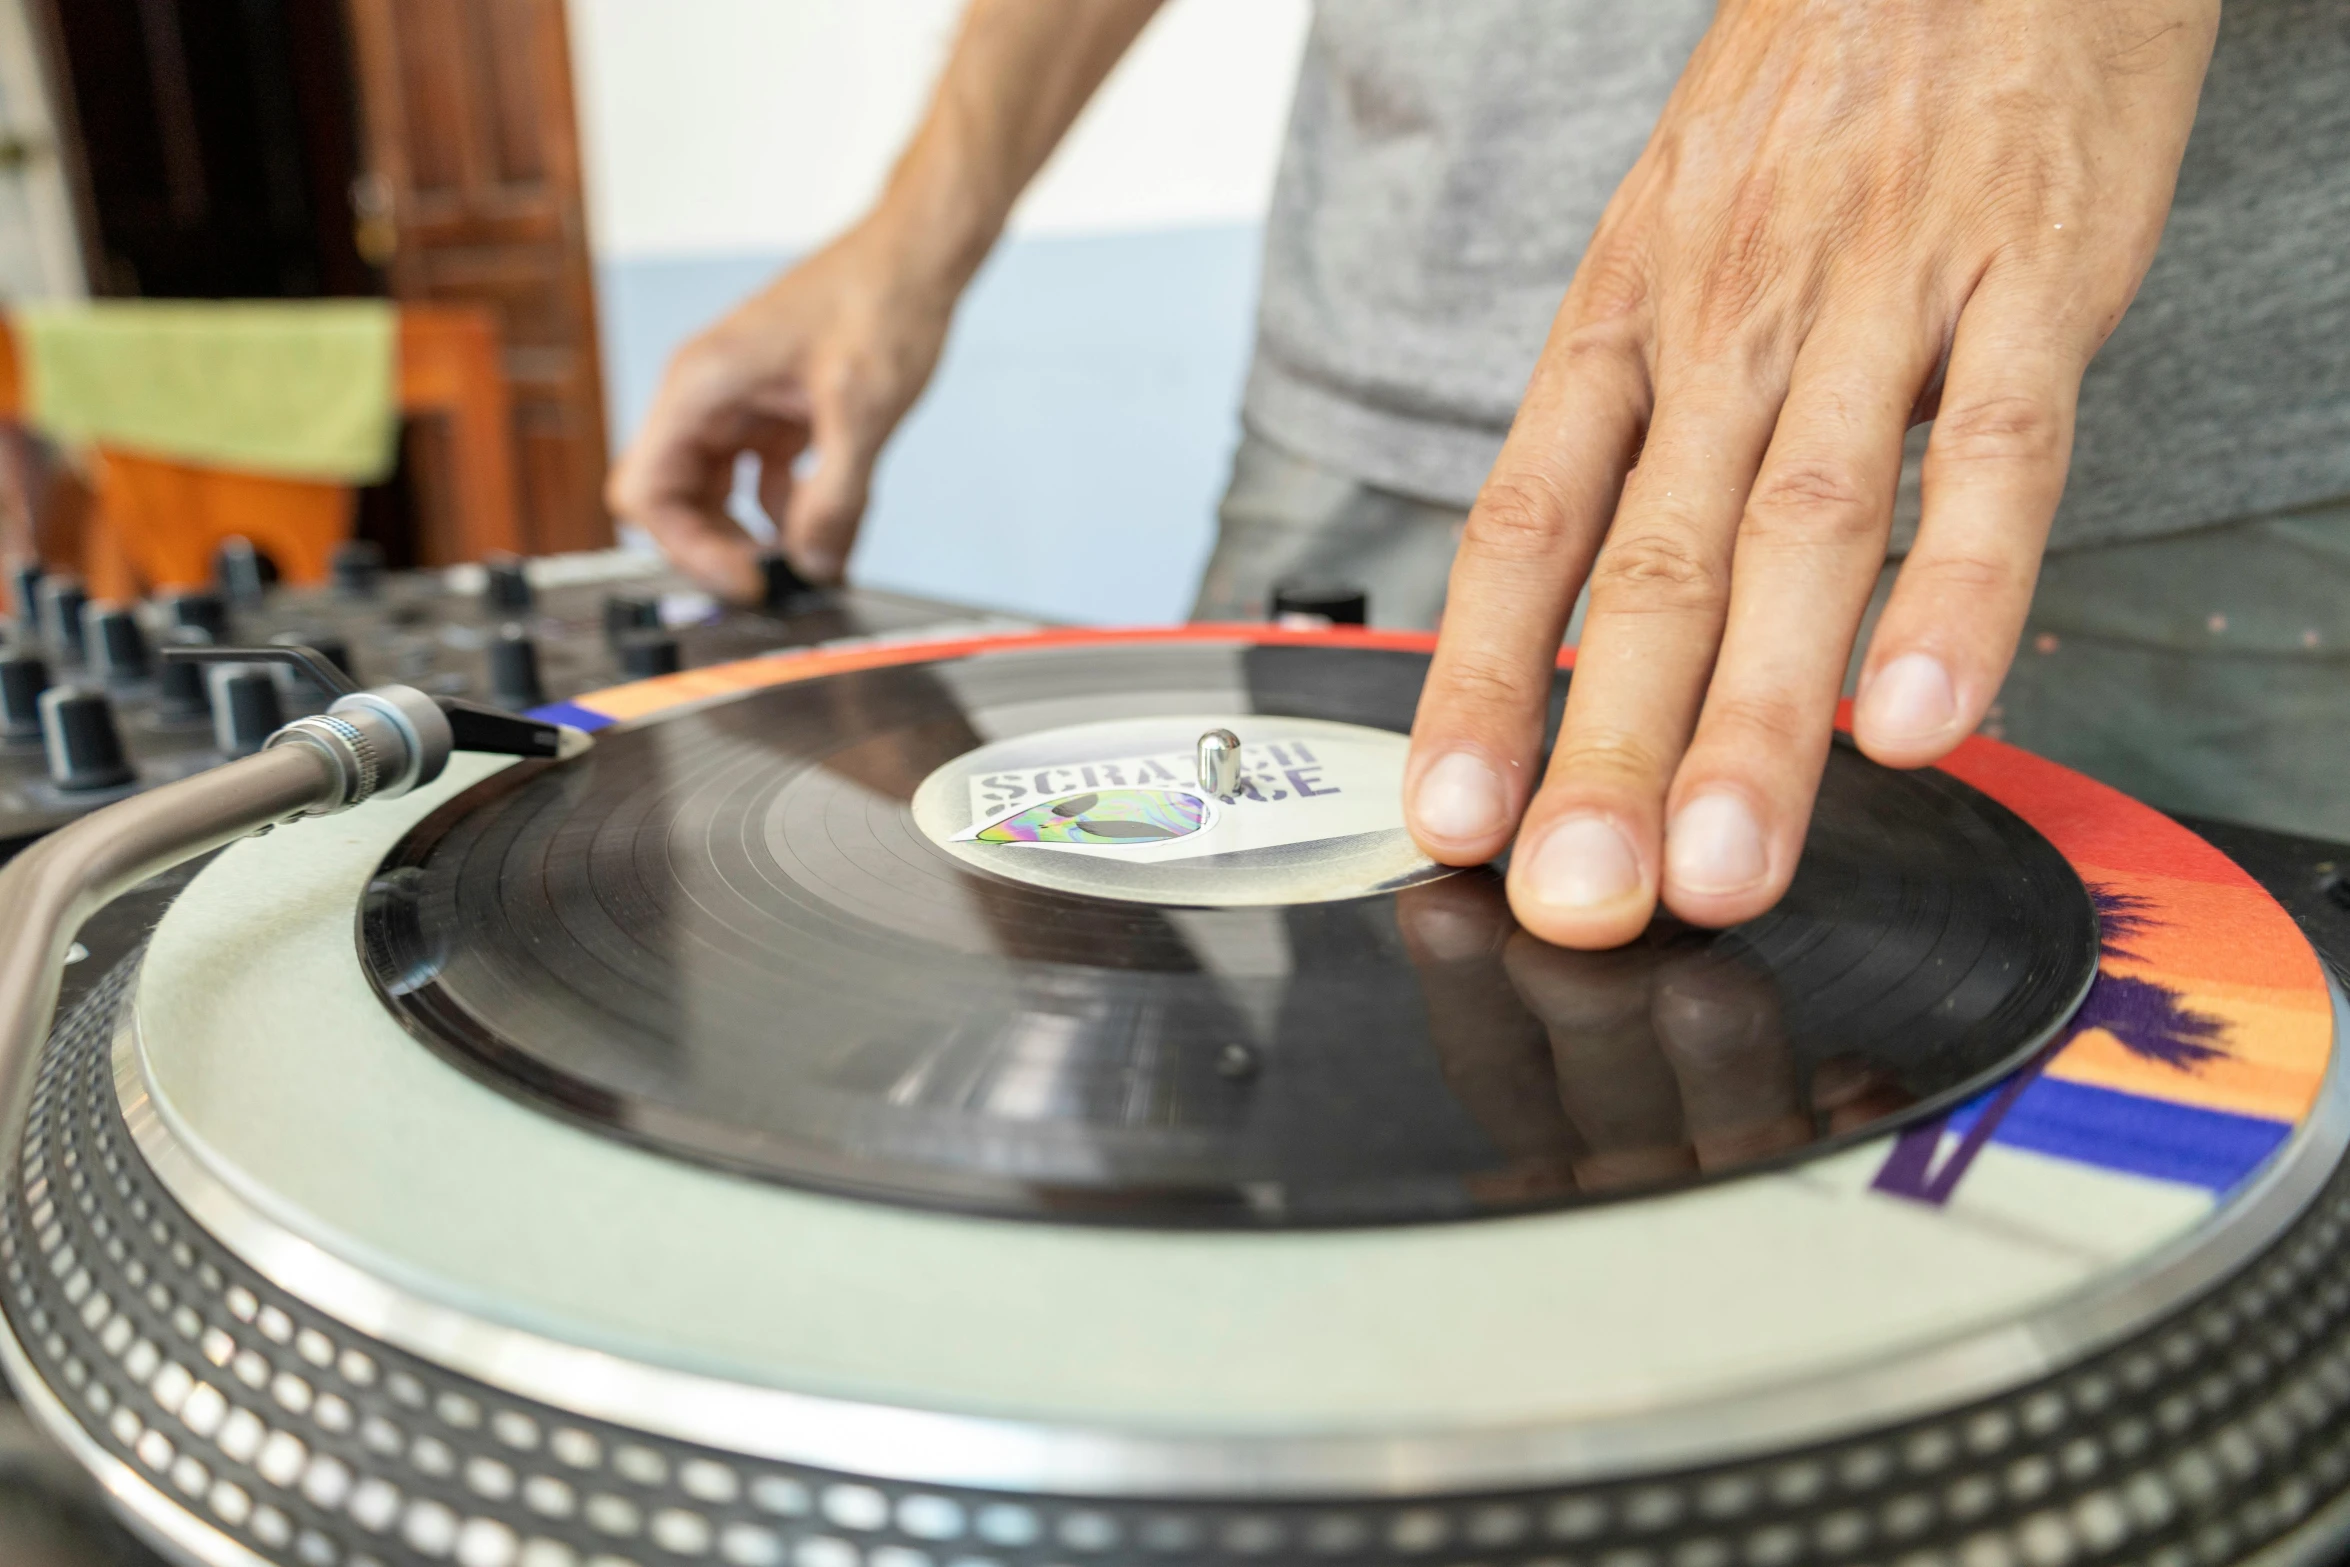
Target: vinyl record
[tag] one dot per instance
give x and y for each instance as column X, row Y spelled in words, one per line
column 966, row 932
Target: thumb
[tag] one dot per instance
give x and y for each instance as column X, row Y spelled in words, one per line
column 827, row 502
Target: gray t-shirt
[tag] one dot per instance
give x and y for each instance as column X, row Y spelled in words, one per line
column 1446, row 164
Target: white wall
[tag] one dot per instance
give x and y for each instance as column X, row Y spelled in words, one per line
column 1067, row 460
column 717, row 126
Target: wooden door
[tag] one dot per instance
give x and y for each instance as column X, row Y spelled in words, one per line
column 472, row 195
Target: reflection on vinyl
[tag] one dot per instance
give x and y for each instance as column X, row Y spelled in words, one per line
column 725, row 934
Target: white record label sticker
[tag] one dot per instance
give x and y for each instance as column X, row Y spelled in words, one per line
column 1117, row 809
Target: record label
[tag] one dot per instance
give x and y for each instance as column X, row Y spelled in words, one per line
column 1116, row 809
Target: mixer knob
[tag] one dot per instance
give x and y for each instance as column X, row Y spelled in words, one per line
column 644, row 654
column 357, row 567
column 236, row 566
column 116, row 646
column 514, row 670
column 180, row 693
column 62, row 601
column 84, row 746
column 24, row 675
column 626, row 613
column 781, row 587
column 25, row 598
column 506, row 587
column 245, row 710
column 199, row 610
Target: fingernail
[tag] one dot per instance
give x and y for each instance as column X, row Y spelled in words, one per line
column 1461, row 800
column 1910, row 699
column 1715, row 845
column 1585, row 862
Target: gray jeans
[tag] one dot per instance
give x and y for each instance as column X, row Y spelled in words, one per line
column 2208, row 672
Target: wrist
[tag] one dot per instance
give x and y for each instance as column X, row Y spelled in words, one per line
column 934, row 224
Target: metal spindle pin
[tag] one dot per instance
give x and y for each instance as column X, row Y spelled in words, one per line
column 1218, row 761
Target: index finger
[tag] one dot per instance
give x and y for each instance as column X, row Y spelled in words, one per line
column 676, row 477
column 1527, row 546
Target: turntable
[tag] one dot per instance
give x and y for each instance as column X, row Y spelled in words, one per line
column 1025, row 1100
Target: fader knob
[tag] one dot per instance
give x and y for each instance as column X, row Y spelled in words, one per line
column 357, row 567
column 24, row 675
column 644, row 654
column 201, row 610
column 1321, row 603
column 84, row 747
column 116, row 646
column 62, row 600
column 626, row 613
column 506, row 586
column 245, row 710
column 514, row 670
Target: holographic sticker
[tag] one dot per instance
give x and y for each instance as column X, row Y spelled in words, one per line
column 1103, row 818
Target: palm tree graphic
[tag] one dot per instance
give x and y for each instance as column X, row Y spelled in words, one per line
column 2152, row 1022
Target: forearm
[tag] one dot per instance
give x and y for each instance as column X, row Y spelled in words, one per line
column 1018, row 75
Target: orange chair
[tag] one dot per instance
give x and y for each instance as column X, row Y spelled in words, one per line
column 157, row 522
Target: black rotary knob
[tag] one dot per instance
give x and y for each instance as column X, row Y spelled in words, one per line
column 644, row 654
column 237, row 568
column 84, row 746
column 357, row 568
column 24, row 601
column 514, row 669
column 245, row 710
column 628, row 613
column 115, row 643
column 781, row 588
column 1321, row 603
column 201, row 610
column 181, row 696
column 24, row 675
column 506, row 587
column 62, row 601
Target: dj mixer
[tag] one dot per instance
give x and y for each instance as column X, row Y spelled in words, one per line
column 91, row 711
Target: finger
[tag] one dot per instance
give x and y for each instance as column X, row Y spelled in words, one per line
column 1585, row 871
column 1523, row 555
column 675, row 478
column 1994, row 471
column 777, row 453
column 820, row 518
column 1810, row 545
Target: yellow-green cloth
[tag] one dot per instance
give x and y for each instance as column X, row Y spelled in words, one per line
column 303, row 388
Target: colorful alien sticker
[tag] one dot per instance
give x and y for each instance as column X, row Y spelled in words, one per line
column 1103, row 818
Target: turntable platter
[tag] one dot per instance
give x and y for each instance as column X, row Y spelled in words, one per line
column 779, row 935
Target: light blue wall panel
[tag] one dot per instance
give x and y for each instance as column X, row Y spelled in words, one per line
column 1067, row 460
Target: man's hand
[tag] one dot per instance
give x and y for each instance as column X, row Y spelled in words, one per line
column 1852, row 216
column 825, row 359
